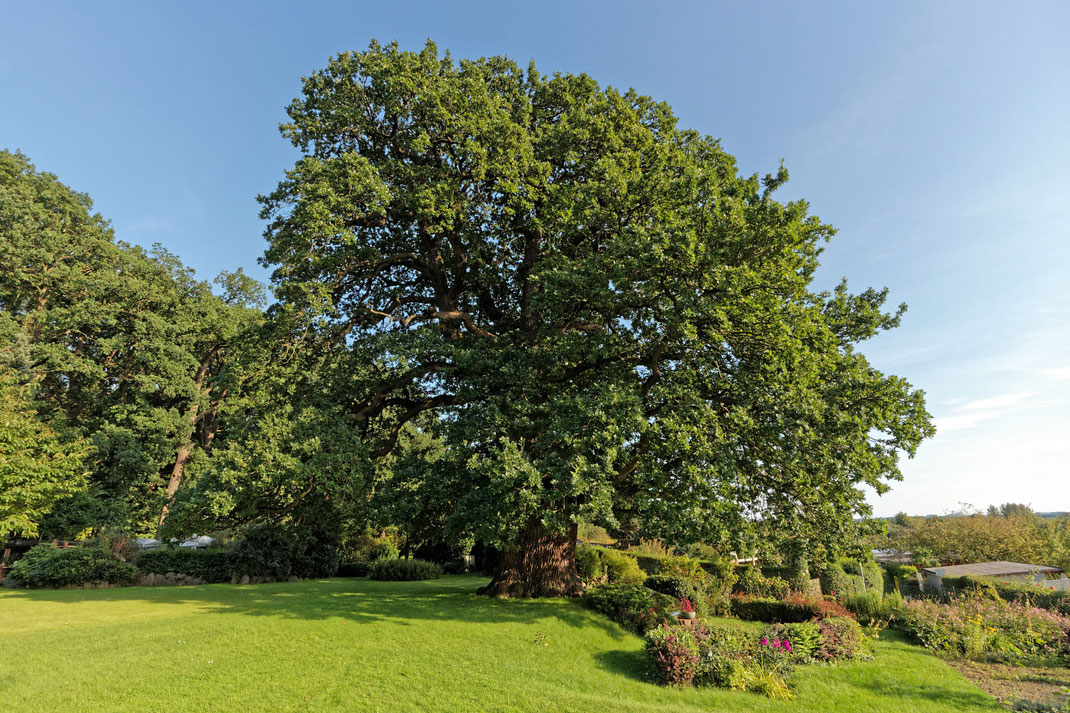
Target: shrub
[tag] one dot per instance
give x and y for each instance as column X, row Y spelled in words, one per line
column 49, row 566
column 211, row 565
column 367, row 546
column 841, row 638
column 682, row 656
column 354, row 569
column 636, row 608
column 621, row 569
column 455, row 567
column 687, row 568
column 404, row 570
column 278, row 551
column 589, row 564
column 680, row 588
column 1033, row 594
column 845, row 578
column 804, row 637
column 383, row 550
column 675, row 653
column 876, row 610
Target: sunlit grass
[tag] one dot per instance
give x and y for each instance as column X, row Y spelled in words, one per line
column 358, row 645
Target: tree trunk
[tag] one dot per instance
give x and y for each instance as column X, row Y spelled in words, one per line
column 176, row 479
column 542, row 565
column 193, row 415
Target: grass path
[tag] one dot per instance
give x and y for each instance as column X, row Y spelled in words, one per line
column 358, row 645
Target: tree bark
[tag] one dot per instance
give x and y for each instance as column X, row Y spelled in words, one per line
column 182, row 457
column 542, row 565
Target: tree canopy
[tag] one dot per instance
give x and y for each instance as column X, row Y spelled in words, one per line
column 593, row 310
column 113, row 344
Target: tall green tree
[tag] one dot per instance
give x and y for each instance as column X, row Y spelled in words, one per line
column 37, row 465
column 607, row 321
column 124, row 345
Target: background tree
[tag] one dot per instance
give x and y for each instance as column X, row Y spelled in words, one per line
column 605, row 319
column 124, row 346
column 37, row 466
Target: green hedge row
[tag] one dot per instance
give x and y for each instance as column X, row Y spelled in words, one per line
column 404, row 570
column 211, row 565
column 792, row 609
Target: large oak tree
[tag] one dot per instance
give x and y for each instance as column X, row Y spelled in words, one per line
column 603, row 317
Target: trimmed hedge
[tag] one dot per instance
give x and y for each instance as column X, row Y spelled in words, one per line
column 845, row 578
column 354, row 569
column 404, row 570
column 597, row 565
column 211, row 565
column 793, row 609
column 49, row 566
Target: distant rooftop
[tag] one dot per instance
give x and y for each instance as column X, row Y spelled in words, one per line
column 992, row 569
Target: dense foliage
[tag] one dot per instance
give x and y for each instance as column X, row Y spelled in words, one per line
column 727, row 657
column 404, row 570
column 635, row 607
column 50, row 566
column 104, row 339
column 38, row 467
column 277, row 551
column 1011, row 532
column 792, row 608
column 210, row 565
column 1034, row 594
column 589, row 306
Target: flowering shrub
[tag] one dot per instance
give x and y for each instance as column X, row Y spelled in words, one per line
column 676, row 652
column 803, row 638
column 686, row 605
column 685, row 656
column 978, row 628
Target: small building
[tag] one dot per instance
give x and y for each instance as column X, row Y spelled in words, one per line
column 1017, row 571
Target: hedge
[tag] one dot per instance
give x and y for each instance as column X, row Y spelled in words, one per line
column 793, row 609
column 844, row 578
column 354, row 569
column 49, row 566
column 404, row 570
column 211, row 565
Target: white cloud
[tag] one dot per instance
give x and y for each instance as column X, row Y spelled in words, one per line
column 997, row 402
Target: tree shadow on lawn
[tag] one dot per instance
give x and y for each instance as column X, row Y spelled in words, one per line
column 451, row 598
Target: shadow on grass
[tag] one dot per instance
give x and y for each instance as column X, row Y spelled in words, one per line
column 451, row 598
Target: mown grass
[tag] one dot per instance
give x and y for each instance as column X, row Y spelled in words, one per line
column 360, row 645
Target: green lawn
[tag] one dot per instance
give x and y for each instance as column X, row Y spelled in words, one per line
column 358, row 645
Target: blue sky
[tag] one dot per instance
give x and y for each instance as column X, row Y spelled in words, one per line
column 934, row 136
